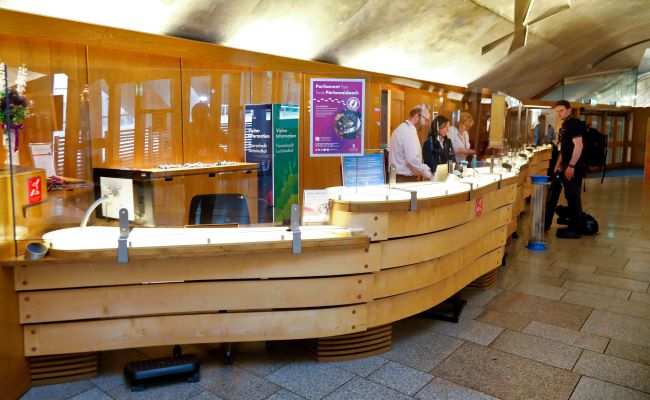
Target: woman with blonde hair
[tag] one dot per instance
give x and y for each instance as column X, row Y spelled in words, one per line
column 460, row 138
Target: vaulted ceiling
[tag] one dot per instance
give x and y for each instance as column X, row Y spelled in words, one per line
column 459, row 42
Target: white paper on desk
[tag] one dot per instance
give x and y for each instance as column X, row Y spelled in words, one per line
column 441, row 173
column 315, row 207
column 43, row 157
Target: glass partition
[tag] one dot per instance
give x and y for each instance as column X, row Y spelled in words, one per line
column 176, row 142
column 170, row 145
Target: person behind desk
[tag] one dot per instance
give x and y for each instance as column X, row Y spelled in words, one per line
column 437, row 149
column 540, row 137
column 404, row 150
column 460, row 138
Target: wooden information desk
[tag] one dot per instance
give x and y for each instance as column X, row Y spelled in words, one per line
column 388, row 259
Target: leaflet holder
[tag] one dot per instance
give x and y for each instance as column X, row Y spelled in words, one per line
column 295, row 229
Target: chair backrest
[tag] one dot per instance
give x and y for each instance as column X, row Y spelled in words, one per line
column 221, row 208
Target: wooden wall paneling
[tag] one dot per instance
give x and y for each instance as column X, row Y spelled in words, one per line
column 183, row 298
column 373, row 116
column 139, row 77
column 397, row 111
column 13, row 369
column 45, row 339
column 311, row 263
column 95, row 35
column 640, row 137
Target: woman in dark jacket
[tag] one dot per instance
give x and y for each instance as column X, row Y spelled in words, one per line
column 437, row 149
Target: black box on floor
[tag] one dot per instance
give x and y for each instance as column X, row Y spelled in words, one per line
column 163, row 369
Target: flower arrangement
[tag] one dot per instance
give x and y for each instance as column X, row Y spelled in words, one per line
column 12, row 102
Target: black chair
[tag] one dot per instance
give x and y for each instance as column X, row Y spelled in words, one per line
column 218, row 209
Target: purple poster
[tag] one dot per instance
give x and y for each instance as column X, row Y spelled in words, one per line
column 337, row 117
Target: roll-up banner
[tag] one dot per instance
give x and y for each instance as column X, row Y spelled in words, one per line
column 258, row 146
column 271, row 139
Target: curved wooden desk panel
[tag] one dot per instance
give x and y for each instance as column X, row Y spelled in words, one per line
column 394, row 308
column 44, row 339
column 71, row 273
column 394, row 281
column 188, row 297
column 411, row 250
column 393, row 220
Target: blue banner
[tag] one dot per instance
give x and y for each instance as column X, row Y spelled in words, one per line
column 258, row 146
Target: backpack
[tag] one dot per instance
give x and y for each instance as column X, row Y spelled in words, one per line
column 594, row 152
column 589, row 223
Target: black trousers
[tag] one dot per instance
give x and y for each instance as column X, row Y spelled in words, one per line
column 572, row 190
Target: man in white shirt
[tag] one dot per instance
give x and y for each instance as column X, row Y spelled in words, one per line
column 405, row 151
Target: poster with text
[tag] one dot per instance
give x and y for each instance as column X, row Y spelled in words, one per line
column 337, row 117
column 285, row 160
column 366, row 170
column 258, row 147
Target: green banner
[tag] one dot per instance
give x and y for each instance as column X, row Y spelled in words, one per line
column 285, row 160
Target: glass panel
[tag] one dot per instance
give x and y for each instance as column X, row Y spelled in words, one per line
column 619, row 154
column 620, row 129
column 608, row 128
column 595, row 121
column 609, row 155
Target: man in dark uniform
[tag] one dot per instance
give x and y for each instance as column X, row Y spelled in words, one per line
column 571, row 163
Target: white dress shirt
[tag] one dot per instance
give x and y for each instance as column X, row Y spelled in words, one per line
column 460, row 142
column 405, row 151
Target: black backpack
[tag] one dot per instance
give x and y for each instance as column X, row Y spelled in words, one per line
column 595, row 149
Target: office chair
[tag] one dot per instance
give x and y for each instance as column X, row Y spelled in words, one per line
column 220, row 208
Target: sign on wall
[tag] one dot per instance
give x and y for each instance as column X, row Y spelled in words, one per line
column 336, row 117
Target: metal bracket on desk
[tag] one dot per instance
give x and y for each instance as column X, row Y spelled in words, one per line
column 413, row 205
column 500, row 181
column 122, row 245
column 470, row 194
column 295, row 229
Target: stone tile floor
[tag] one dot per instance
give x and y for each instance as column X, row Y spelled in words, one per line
column 571, row 322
